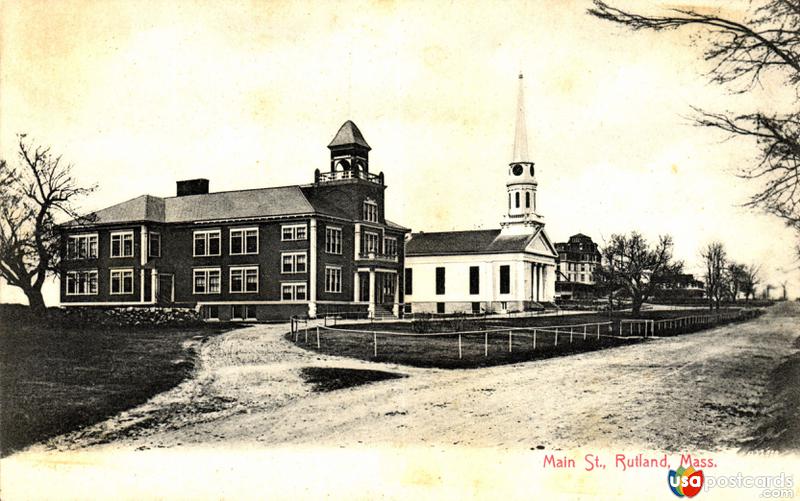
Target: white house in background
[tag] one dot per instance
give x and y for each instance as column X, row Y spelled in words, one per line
column 512, row 268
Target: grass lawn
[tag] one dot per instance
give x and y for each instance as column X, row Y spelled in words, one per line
column 58, row 379
column 477, row 350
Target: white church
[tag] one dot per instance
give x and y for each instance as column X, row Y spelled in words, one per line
column 509, row 269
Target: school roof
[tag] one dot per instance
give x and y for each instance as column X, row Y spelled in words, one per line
column 466, row 242
column 227, row 205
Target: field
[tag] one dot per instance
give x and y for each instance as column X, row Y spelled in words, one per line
column 485, row 342
column 57, row 379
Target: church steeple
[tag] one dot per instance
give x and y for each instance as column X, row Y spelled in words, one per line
column 521, row 182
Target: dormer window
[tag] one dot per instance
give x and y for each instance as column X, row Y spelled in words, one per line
column 370, row 211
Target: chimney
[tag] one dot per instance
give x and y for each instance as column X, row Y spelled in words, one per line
column 192, row 187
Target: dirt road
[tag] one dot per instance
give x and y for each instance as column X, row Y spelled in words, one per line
column 695, row 392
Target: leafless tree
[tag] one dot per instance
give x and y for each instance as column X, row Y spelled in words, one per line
column 784, row 296
column 751, row 280
column 31, row 196
column 632, row 264
column 735, row 278
column 742, row 52
column 715, row 260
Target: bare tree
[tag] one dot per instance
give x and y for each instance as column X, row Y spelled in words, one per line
column 630, row 263
column 735, row 278
column 751, row 280
column 766, row 41
column 784, row 296
column 716, row 261
column 31, row 196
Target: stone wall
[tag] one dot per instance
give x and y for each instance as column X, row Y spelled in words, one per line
column 128, row 316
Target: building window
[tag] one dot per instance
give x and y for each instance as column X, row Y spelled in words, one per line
column 154, row 244
column 439, row 281
column 244, row 241
column 474, row 280
column 294, row 232
column 122, row 244
column 582, row 277
column 390, row 246
column 516, row 199
column 207, row 281
column 243, row 312
column 369, row 243
column 122, row 281
column 409, row 281
column 293, row 262
column 244, row 279
column 440, row 308
column 370, row 211
column 505, row 279
column 333, row 240
column 293, row 291
column 333, row 279
column 82, row 246
column 210, row 312
column 527, row 199
column 81, row 282
column 207, row 243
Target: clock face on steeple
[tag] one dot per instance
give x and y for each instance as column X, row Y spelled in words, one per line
column 517, row 170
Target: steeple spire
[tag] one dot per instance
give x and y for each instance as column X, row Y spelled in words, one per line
column 522, row 217
column 521, row 133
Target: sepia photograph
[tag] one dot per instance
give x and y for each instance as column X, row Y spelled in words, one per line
column 399, row 249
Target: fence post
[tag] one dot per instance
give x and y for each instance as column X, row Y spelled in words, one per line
column 509, row 341
column 306, row 331
column 486, row 344
column 374, row 344
column 556, row 341
column 584, row 333
column 598, row 332
column 459, row 345
column 534, row 339
column 570, row 335
column 318, row 337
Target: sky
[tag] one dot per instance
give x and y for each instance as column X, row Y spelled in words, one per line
column 138, row 95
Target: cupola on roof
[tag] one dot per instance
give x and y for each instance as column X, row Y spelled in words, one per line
column 349, row 135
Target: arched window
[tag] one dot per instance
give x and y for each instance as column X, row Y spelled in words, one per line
column 527, row 199
column 516, row 196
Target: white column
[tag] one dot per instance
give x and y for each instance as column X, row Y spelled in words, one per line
column 545, row 278
column 143, row 251
column 541, row 283
column 371, row 293
column 357, row 241
column 535, row 285
column 312, row 269
column 153, row 285
column 356, row 287
column 396, row 306
column 141, row 286
column 142, row 259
